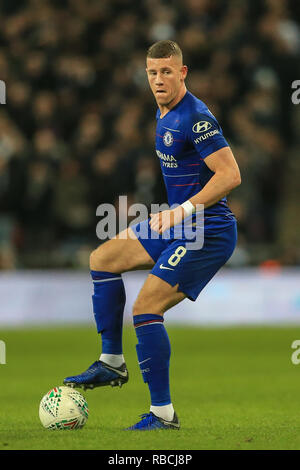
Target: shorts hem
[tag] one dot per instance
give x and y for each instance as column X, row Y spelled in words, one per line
column 188, row 295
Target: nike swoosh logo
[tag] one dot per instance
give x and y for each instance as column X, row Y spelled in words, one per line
column 145, row 360
column 165, row 267
column 176, row 425
column 122, row 374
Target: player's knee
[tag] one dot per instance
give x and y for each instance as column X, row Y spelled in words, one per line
column 137, row 308
column 143, row 305
column 99, row 261
column 94, row 260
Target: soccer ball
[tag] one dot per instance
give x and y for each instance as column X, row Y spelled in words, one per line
column 63, row 408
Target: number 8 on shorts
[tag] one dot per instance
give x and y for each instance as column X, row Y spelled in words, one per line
column 177, row 255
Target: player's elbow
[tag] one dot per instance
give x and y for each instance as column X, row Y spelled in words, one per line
column 233, row 179
column 236, row 178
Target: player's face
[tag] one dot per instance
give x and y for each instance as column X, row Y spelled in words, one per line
column 166, row 78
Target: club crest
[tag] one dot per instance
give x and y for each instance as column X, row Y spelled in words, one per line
column 168, row 139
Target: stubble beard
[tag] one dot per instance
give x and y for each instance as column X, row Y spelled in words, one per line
column 165, row 102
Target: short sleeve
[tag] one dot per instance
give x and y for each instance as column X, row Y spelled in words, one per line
column 205, row 134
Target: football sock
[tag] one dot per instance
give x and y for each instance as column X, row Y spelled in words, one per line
column 153, row 352
column 165, row 412
column 109, row 302
column 114, row 360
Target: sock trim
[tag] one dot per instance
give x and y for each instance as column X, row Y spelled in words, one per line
column 147, row 318
column 153, row 322
column 105, row 280
column 99, row 275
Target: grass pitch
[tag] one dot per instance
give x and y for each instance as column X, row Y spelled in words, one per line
column 232, row 389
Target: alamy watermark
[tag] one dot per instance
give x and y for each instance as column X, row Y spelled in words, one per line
column 190, row 229
column 296, row 94
column 295, row 356
column 2, row 92
column 2, row 352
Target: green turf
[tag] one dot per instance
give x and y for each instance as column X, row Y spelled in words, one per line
column 232, row 389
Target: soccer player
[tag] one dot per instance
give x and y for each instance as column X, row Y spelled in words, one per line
column 199, row 170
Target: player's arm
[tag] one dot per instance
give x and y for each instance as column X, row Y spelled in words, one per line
column 226, row 177
column 217, row 155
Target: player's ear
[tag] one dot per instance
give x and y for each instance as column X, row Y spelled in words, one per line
column 184, row 71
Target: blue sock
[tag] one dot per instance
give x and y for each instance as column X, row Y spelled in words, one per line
column 153, row 351
column 109, row 302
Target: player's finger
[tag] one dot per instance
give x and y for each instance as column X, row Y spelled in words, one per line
column 154, row 224
column 155, row 229
column 164, row 227
column 157, row 223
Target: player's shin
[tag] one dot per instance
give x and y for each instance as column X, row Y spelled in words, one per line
column 109, row 302
column 153, row 352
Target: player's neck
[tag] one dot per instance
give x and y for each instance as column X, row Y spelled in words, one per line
column 164, row 109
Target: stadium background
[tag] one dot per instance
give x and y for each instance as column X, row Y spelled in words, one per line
column 77, row 130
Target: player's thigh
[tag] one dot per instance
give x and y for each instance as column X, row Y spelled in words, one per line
column 122, row 253
column 157, row 296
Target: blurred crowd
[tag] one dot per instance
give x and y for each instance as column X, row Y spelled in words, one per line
column 77, row 129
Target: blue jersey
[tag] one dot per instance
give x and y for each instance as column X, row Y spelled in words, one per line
column 185, row 136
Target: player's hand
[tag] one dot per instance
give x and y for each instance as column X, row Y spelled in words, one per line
column 166, row 219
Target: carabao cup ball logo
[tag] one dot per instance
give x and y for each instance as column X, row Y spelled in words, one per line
column 168, row 139
column 201, row 126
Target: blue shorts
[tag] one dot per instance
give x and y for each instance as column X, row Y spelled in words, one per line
column 191, row 269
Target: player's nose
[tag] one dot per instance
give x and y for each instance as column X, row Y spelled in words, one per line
column 158, row 80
